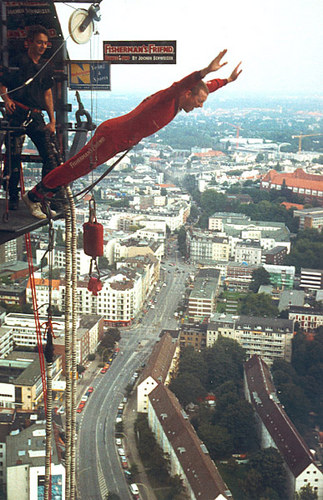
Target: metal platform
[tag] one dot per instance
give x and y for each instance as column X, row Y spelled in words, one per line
column 19, row 222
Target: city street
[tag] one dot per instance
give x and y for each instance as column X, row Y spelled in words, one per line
column 99, row 468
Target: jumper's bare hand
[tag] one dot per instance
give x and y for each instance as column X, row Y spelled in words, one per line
column 215, row 64
column 235, row 73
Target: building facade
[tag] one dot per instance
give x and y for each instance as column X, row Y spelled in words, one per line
column 270, row 338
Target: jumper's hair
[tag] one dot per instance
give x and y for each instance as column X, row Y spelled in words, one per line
column 200, row 86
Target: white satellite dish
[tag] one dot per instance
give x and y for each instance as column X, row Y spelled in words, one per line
column 74, row 26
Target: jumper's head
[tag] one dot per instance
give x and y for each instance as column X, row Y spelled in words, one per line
column 194, row 98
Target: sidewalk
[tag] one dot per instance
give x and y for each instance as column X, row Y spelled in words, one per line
column 129, row 418
column 87, row 378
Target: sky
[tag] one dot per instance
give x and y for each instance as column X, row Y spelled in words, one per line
column 279, row 42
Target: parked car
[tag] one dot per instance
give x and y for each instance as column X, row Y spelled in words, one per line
column 118, row 441
column 128, row 475
column 121, row 451
column 134, row 490
column 90, row 389
column 80, row 408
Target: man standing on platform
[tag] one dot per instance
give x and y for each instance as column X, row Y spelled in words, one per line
column 26, row 91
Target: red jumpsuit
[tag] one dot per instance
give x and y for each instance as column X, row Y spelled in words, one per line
column 120, row 134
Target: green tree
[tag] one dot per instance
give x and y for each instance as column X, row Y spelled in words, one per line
column 238, row 418
column 181, row 239
column 269, row 464
column 187, row 388
column 306, row 493
column 217, row 439
column 103, row 262
column 258, row 304
column 252, row 485
column 259, row 277
column 225, row 362
column 192, row 362
column 308, row 247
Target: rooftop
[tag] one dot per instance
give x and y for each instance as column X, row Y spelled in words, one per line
column 291, row 446
column 199, row 468
column 28, row 446
column 160, row 359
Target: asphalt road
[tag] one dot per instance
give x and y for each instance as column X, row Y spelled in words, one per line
column 98, row 465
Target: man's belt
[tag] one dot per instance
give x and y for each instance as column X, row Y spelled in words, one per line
column 27, row 108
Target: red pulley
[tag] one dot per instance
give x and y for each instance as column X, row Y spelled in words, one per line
column 93, row 235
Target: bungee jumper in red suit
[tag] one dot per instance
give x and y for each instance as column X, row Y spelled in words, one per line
column 121, row 133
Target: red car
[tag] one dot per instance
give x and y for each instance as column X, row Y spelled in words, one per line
column 104, row 370
column 90, row 389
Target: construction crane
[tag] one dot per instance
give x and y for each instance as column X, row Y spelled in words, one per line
column 300, row 137
column 238, row 131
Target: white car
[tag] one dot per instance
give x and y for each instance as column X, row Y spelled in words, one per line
column 134, row 489
column 121, row 451
column 118, row 441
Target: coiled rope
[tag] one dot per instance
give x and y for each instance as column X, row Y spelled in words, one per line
column 70, row 343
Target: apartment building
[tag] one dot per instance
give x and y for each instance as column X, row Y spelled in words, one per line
column 122, row 295
column 189, row 457
column 281, row 277
column 194, row 335
column 43, row 289
column 239, row 275
column 19, row 330
column 270, row 338
column 276, row 430
column 239, row 227
column 21, row 381
column 13, row 295
column 205, row 247
column 174, row 216
column 133, row 247
column 202, row 299
column 310, row 218
column 59, row 255
column 217, row 220
column 161, row 366
column 275, row 256
column 248, row 251
column 312, row 279
column 25, row 464
column 307, row 318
